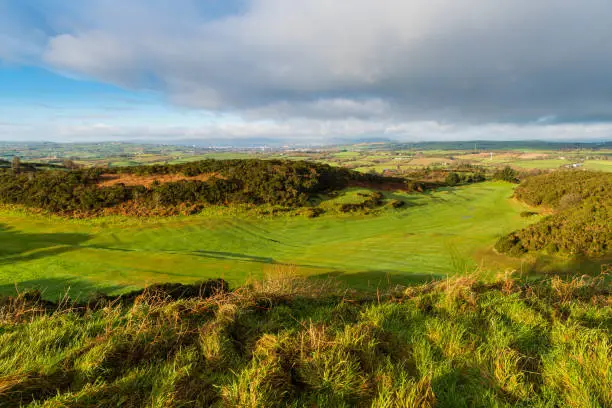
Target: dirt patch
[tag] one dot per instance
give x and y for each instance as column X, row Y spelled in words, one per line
column 107, row 180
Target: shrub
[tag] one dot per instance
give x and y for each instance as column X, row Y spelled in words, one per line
column 311, row 212
column 396, row 203
column 580, row 224
column 506, row 174
column 282, row 183
column 452, row 179
column 510, row 244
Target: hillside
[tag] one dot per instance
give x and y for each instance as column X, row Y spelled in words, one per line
column 288, row 342
column 180, row 188
column 580, row 223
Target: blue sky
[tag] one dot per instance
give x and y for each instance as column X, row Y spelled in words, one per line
column 38, row 99
column 307, row 71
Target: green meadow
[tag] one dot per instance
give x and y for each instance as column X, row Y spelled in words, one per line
column 439, row 233
column 601, row 165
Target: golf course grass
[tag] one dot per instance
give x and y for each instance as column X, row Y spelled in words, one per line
column 436, row 234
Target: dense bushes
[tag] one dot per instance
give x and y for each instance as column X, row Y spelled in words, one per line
column 553, row 189
column 581, row 223
column 371, row 201
column 286, row 183
column 506, row 174
column 59, row 190
column 454, row 178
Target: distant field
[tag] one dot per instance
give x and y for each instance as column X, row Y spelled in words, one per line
column 601, row 165
column 440, row 233
column 539, row 164
column 216, row 156
column 347, row 154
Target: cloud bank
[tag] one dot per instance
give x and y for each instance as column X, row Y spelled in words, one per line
column 313, row 68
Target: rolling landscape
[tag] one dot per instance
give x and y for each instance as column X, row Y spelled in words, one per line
column 267, row 282
column 446, row 232
column 260, row 203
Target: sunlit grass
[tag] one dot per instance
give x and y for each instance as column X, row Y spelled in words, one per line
column 437, row 233
column 454, row 343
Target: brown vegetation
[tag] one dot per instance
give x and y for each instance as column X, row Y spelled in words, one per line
column 108, row 180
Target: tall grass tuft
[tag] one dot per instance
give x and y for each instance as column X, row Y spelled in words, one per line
column 288, row 341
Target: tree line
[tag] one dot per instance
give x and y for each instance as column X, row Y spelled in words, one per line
column 285, row 183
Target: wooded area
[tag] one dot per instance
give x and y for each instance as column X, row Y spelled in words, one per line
column 580, row 224
column 285, row 183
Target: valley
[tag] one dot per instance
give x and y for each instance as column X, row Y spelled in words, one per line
column 440, row 233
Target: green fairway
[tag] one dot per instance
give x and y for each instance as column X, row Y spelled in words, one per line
column 443, row 232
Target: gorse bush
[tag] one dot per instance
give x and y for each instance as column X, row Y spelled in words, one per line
column 582, row 218
column 551, row 189
column 506, row 174
column 455, row 343
column 286, row 183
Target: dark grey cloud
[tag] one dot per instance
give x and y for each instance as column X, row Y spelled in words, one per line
column 469, row 62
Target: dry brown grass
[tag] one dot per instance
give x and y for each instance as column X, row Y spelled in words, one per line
column 108, row 180
column 286, row 280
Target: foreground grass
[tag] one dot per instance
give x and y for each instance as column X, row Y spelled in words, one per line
column 289, row 342
column 407, row 245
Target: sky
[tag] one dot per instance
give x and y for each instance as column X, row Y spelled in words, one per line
column 305, row 71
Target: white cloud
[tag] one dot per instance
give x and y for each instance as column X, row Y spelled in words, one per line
column 301, row 130
column 389, row 62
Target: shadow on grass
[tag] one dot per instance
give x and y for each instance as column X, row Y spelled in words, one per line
column 56, row 288
column 372, row 280
column 233, row 256
column 556, row 265
column 17, row 246
column 410, row 199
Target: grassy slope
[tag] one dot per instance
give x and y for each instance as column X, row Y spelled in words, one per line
column 442, row 232
column 456, row 343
